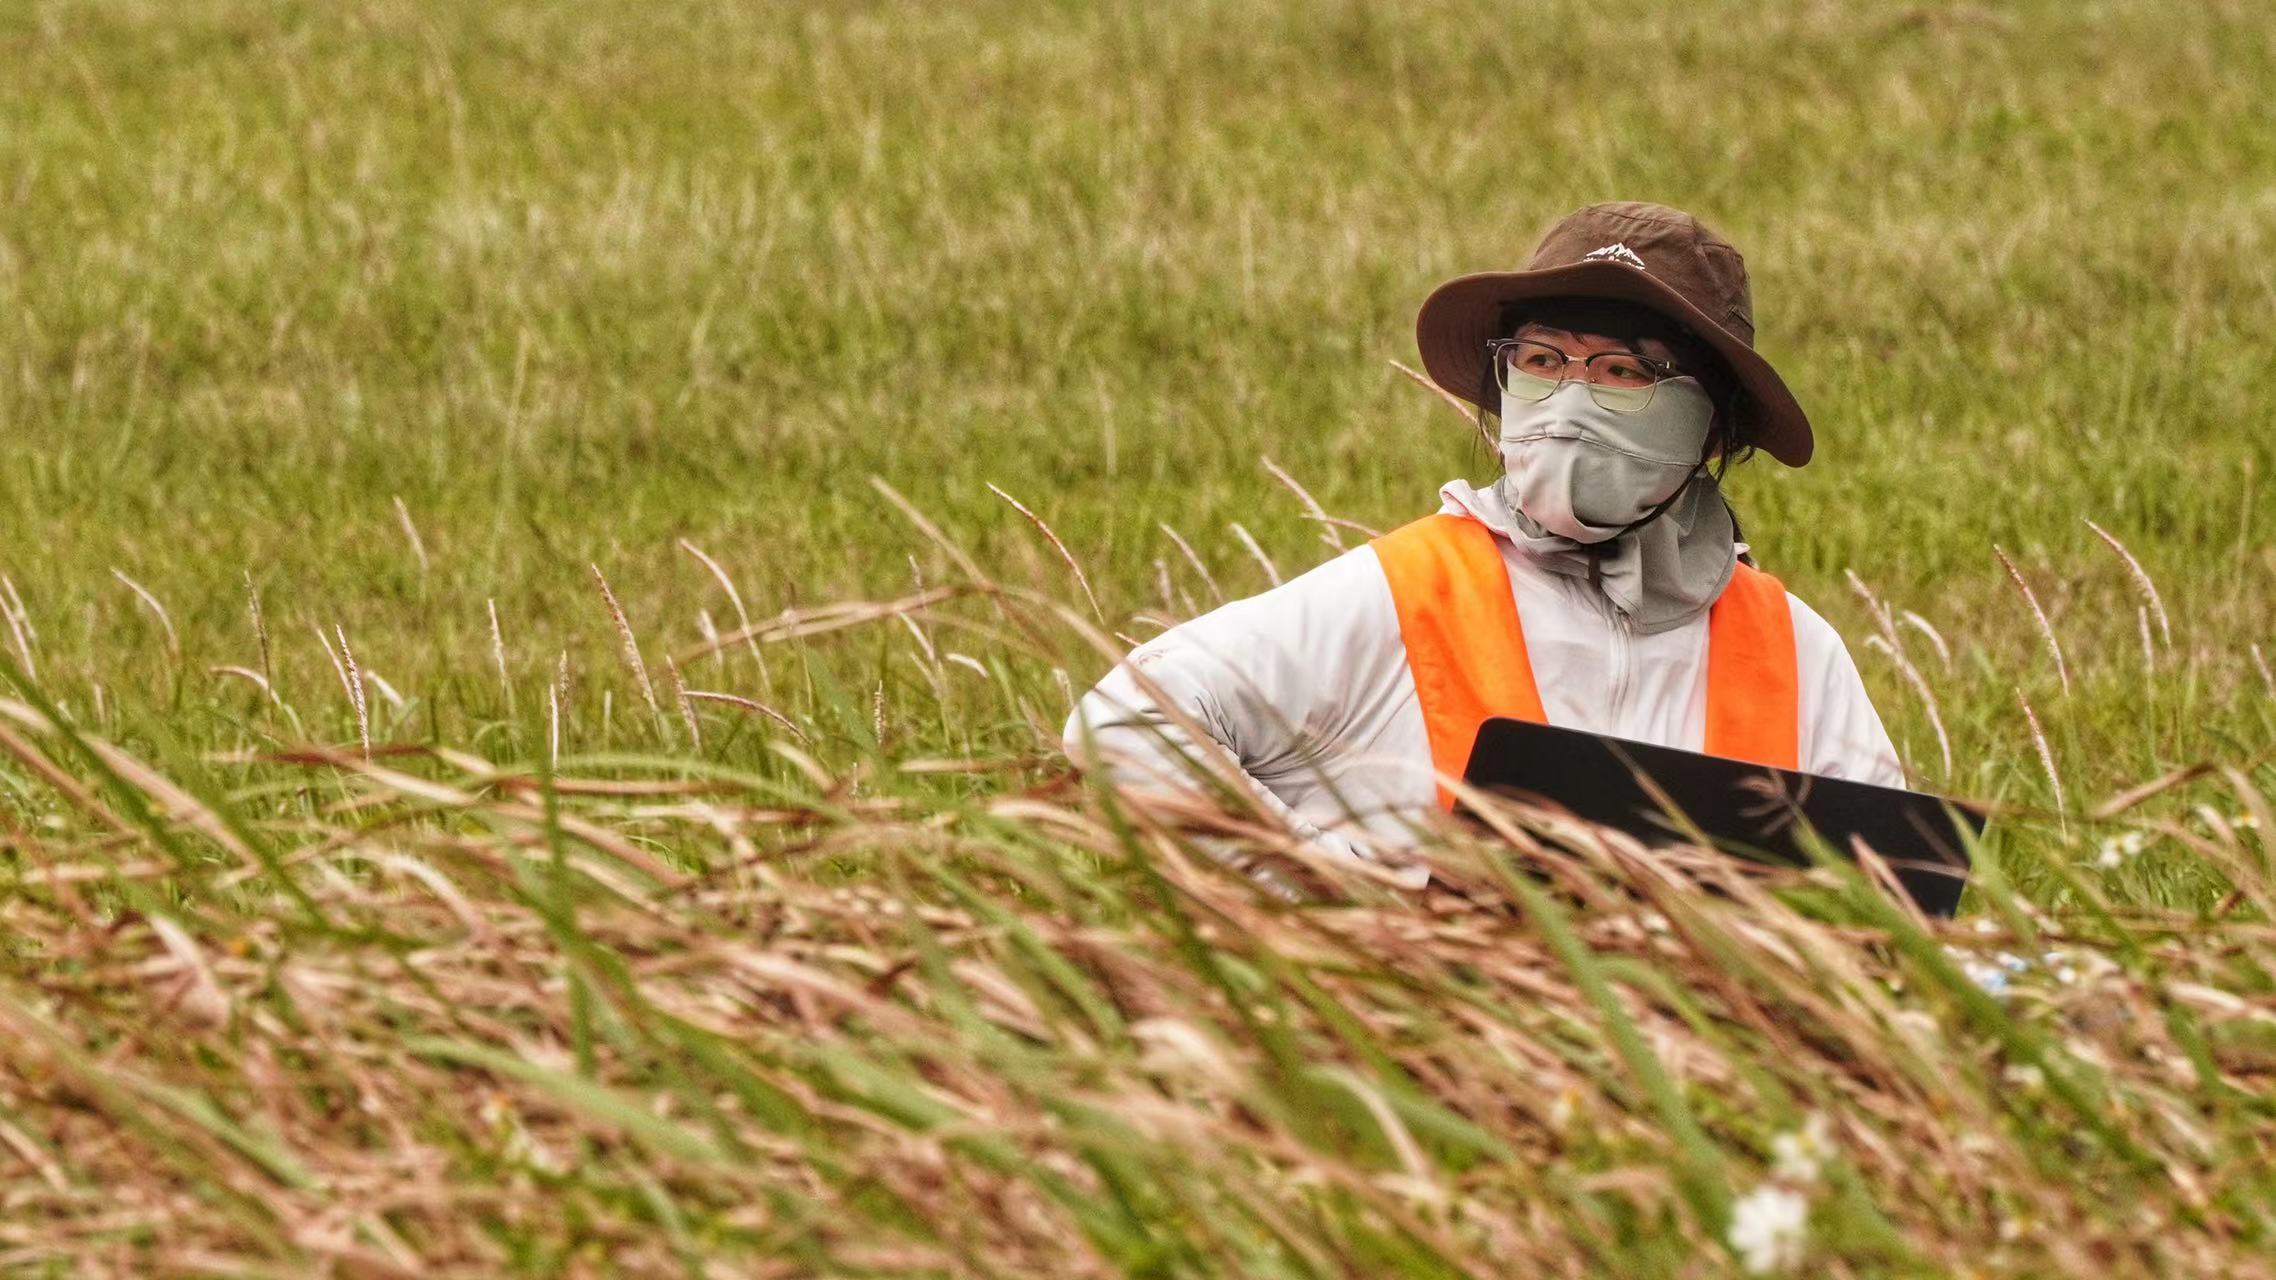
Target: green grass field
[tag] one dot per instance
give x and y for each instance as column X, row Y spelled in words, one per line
column 404, row 317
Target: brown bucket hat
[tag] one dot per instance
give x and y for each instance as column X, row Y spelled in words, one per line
column 1660, row 258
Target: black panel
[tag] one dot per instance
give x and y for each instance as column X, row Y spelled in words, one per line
column 1743, row 807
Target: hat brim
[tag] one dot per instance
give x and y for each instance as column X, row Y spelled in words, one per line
column 1461, row 316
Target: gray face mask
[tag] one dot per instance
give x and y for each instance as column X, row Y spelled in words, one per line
column 1587, row 473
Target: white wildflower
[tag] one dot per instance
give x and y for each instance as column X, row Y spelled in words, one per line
column 2058, row 964
column 1769, row 1228
column 1800, row 1156
column 1990, row 976
column 2024, row 1075
column 2118, row 848
column 1992, row 980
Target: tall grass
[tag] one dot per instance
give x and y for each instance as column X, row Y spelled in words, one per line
column 424, row 1007
column 730, row 438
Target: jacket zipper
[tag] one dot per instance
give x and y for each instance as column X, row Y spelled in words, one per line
column 1623, row 665
column 1619, row 659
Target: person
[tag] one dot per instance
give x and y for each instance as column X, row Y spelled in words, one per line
column 1600, row 583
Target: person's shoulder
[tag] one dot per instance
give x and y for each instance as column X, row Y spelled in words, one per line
column 1351, row 566
column 1815, row 639
column 1335, row 622
column 1338, row 586
column 1810, row 628
column 1807, row 618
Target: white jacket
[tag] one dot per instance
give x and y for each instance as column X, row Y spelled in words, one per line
column 1307, row 687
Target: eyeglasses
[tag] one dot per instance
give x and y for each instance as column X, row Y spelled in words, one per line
column 1531, row 371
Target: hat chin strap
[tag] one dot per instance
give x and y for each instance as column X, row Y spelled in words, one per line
column 1698, row 469
column 1599, row 551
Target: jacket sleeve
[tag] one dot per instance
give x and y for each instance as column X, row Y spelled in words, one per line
column 1267, row 682
column 1842, row 735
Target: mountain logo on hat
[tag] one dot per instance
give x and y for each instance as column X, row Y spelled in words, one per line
column 1617, row 253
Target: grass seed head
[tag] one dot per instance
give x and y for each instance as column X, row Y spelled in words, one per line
column 631, row 649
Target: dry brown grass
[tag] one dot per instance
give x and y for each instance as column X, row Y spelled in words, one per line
column 432, row 1014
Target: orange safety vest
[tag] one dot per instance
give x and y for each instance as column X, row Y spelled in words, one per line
column 1466, row 649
